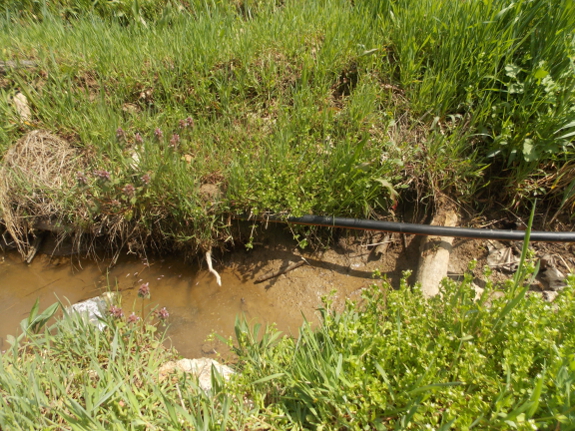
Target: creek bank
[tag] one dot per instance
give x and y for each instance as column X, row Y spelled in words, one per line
column 198, row 306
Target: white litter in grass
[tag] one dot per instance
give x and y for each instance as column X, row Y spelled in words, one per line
column 93, row 309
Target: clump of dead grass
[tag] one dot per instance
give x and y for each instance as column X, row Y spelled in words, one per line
column 36, row 177
column 559, row 183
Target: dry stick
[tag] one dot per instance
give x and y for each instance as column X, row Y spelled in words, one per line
column 375, row 244
column 211, row 269
column 565, row 263
column 280, row 272
column 180, row 396
column 22, row 64
column 34, row 248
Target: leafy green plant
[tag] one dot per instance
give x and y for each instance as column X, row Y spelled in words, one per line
column 396, row 360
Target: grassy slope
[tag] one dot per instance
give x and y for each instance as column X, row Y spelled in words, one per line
column 305, row 107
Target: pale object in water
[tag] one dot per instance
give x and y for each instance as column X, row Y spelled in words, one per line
column 94, row 308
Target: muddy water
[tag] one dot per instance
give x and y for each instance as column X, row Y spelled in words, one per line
column 197, row 305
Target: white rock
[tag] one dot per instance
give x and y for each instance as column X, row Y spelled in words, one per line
column 21, row 104
column 201, row 368
column 93, row 308
column 135, row 159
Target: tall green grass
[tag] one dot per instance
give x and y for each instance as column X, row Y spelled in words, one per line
column 505, row 67
column 266, row 128
column 298, row 107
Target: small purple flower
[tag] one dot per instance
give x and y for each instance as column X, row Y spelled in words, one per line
column 162, row 313
column 115, row 312
column 146, row 179
column 158, row 133
column 132, row 318
column 138, row 138
column 81, row 178
column 102, row 174
column 129, row 190
column 144, row 290
column 175, row 140
column 120, row 133
column 190, row 122
column 183, row 124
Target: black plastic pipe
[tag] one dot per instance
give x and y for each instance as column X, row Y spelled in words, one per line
column 422, row 229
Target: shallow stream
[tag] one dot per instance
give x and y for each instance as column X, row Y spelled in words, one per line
column 196, row 304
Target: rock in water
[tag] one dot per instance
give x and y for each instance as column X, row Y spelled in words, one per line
column 93, row 308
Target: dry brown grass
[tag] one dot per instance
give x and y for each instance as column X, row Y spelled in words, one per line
column 561, row 184
column 36, row 177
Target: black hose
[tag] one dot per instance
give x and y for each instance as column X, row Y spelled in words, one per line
column 421, row 229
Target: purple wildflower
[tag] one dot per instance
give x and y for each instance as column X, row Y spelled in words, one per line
column 146, row 179
column 115, row 312
column 129, row 190
column 138, row 138
column 81, row 177
column 158, row 133
column 175, row 140
column 162, row 313
column 190, row 122
column 120, row 133
column 102, row 174
column 132, row 318
column 144, row 290
column 183, row 124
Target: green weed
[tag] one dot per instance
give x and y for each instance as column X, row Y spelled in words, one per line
column 398, row 361
column 73, row 375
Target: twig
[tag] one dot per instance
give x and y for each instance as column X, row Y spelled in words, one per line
column 377, row 243
column 565, row 263
column 211, row 269
column 34, row 248
column 280, row 272
column 22, row 64
column 180, row 396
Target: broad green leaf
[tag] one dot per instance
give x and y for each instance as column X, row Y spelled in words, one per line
column 268, row 378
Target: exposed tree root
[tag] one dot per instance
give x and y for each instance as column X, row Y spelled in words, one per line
column 210, row 267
